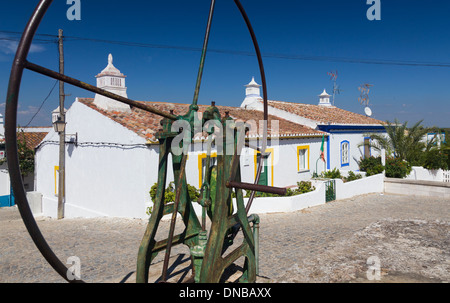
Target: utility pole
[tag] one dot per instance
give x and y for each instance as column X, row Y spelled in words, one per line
column 62, row 135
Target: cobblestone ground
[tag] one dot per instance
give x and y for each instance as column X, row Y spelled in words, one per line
column 409, row 236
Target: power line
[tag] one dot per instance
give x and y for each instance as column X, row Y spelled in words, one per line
column 42, row 104
column 242, row 53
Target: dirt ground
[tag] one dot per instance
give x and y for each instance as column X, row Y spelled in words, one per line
column 402, row 251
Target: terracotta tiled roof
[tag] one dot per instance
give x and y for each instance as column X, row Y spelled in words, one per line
column 323, row 114
column 32, row 139
column 146, row 124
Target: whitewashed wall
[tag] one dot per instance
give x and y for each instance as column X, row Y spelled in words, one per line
column 420, row 173
column 355, row 152
column 367, row 185
column 5, row 185
column 101, row 180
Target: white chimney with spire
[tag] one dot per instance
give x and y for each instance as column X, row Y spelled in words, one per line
column 324, row 99
column 111, row 80
column 252, row 94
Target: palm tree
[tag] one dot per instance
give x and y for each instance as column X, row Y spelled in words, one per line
column 402, row 142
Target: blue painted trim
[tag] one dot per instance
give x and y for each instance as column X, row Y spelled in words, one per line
column 351, row 128
column 348, row 153
column 328, row 152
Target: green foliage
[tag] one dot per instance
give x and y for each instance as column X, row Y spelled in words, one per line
column 371, row 165
column 436, row 159
column 401, row 142
column 437, row 156
column 351, row 177
column 26, row 156
column 331, row 174
column 397, row 168
column 169, row 194
column 302, row 187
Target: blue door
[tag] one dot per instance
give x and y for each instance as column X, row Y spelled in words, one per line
column 8, row 200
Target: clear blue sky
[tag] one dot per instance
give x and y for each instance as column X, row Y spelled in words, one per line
column 409, row 31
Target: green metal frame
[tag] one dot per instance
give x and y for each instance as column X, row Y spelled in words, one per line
column 206, row 251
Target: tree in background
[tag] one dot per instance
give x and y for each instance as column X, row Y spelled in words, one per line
column 401, row 142
column 438, row 154
column 26, row 156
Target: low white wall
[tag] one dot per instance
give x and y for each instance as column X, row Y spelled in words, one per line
column 288, row 204
column 35, row 201
column 420, row 173
column 417, row 187
column 367, row 185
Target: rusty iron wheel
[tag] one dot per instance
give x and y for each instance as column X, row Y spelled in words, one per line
column 19, row 64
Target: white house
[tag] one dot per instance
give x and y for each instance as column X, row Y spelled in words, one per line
column 32, row 136
column 112, row 153
column 346, row 130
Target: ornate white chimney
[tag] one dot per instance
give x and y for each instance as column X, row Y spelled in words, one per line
column 252, row 94
column 112, row 80
column 324, row 99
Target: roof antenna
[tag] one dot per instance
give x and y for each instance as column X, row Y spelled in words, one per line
column 336, row 89
column 364, row 97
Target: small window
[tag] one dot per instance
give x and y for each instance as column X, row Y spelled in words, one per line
column 345, row 155
column 302, row 158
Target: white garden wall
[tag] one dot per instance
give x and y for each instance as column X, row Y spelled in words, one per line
column 420, row 173
column 367, row 185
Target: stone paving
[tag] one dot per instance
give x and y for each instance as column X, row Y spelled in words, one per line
column 289, row 242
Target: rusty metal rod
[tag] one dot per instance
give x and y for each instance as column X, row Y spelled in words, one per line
column 257, row 187
column 174, row 218
column 52, row 74
column 203, row 56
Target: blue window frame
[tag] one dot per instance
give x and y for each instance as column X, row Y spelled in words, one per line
column 345, row 153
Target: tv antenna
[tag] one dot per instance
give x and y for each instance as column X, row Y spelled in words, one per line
column 336, row 89
column 364, row 97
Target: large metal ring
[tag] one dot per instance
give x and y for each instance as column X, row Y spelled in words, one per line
column 15, row 79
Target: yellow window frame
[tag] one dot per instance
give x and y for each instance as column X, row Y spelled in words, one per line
column 56, row 179
column 302, row 147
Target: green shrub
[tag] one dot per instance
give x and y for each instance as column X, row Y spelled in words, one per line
column 371, row 165
column 169, row 194
column 302, row 187
column 331, row 174
column 436, row 159
column 351, row 177
column 397, row 168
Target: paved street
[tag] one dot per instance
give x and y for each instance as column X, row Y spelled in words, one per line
column 107, row 247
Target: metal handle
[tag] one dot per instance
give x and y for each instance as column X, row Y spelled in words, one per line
column 257, row 187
